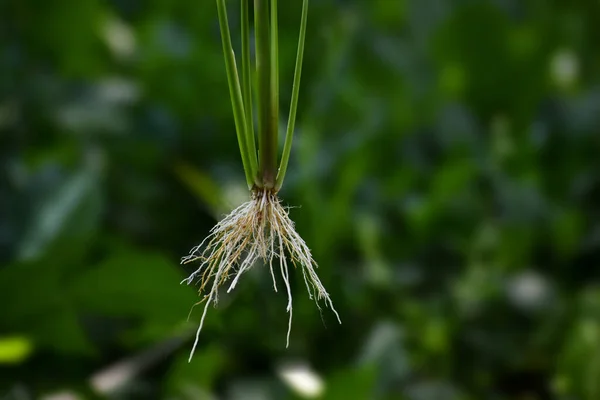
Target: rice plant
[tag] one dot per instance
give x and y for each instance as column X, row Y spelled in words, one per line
column 260, row 229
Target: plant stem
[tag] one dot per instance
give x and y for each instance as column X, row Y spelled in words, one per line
column 274, row 121
column 235, row 93
column 247, row 86
column 287, row 147
column 267, row 137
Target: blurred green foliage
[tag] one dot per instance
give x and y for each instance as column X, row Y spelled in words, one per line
column 447, row 167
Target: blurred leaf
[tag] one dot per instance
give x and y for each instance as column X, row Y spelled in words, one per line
column 201, row 373
column 451, row 179
column 566, row 230
column 135, row 284
column 474, row 48
column 356, row 383
column 203, row 187
column 61, row 331
column 69, row 215
column 452, row 79
column 331, row 222
column 36, row 304
column 14, row 350
column 384, row 350
column 388, row 13
column 579, row 362
column 27, row 290
column 477, row 285
column 369, row 236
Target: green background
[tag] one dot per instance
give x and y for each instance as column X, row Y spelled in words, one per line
column 445, row 167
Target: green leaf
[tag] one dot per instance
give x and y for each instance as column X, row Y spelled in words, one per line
column 237, row 101
column 61, row 331
column 201, row 374
column 289, row 135
column 579, row 361
column 14, row 349
column 67, row 217
column 355, row 383
column 203, row 187
column 36, row 305
column 141, row 285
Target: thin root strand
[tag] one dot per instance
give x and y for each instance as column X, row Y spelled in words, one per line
column 258, row 229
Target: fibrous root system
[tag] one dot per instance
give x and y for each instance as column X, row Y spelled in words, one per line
column 259, row 229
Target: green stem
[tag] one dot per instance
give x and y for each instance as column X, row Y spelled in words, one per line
column 235, row 92
column 287, row 147
column 267, row 137
column 274, row 121
column 247, row 85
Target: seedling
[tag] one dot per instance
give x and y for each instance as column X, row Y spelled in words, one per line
column 261, row 228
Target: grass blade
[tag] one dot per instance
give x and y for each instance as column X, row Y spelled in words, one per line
column 267, row 138
column 287, row 147
column 235, row 92
column 274, row 121
column 247, row 85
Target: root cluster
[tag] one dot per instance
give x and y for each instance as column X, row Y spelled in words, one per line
column 258, row 229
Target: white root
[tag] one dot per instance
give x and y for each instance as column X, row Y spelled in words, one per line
column 258, row 229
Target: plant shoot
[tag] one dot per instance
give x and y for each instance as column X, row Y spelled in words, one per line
column 259, row 230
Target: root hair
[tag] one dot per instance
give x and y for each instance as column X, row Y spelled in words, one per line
column 258, row 229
